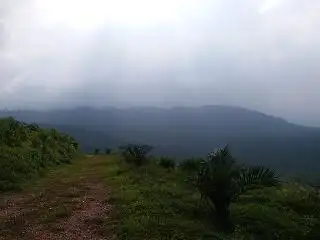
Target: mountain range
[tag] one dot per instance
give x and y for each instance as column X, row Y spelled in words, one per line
column 183, row 132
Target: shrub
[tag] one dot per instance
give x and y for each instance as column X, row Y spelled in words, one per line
column 27, row 149
column 267, row 222
column 191, row 164
column 302, row 199
column 136, row 154
column 220, row 180
column 167, row 163
column 289, row 212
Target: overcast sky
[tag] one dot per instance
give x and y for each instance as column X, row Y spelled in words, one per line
column 263, row 55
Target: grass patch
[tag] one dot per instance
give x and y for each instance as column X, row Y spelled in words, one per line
column 153, row 203
column 27, row 151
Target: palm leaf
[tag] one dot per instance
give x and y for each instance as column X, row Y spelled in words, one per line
column 256, row 176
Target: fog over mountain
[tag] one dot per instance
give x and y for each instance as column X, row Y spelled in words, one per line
column 183, row 132
column 261, row 55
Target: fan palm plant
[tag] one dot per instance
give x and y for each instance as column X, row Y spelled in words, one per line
column 220, row 180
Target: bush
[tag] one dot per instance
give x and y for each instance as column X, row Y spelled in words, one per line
column 136, row 154
column 290, row 211
column 191, row 164
column 27, row 149
column 267, row 222
column 167, row 163
column 220, row 180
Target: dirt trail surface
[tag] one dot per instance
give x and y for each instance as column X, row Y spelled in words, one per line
column 70, row 203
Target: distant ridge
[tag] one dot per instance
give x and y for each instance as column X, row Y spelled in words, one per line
column 183, row 132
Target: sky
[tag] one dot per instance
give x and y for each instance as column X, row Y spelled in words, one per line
column 263, row 55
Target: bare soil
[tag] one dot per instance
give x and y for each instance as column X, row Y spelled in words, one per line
column 68, row 204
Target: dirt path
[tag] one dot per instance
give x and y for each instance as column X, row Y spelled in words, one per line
column 70, row 203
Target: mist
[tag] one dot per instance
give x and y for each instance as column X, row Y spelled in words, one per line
column 261, row 55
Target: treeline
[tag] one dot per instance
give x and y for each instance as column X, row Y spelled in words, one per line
column 26, row 150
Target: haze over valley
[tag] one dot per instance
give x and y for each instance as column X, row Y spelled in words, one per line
column 185, row 132
column 260, row 55
column 159, row 119
column 168, row 73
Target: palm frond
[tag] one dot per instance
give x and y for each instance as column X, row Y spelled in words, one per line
column 258, row 175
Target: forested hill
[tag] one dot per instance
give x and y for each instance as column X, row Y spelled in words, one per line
column 183, row 132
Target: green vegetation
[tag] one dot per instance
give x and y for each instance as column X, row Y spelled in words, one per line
column 221, row 181
column 136, row 154
column 167, row 163
column 153, row 198
column 150, row 202
column 26, row 150
column 153, row 203
column 191, row 164
column 46, row 205
column 184, row 132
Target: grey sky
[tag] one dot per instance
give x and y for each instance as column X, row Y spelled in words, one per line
column 262, row 55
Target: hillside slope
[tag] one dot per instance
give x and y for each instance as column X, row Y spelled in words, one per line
column 26, row 150
column 101, row 197
column 184, row 132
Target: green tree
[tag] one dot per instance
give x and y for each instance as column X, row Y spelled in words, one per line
column 135, row 153
column 221, row 181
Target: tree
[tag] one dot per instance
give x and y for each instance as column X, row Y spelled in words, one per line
column 33, row 127
column 221, row 181
column 135, row 153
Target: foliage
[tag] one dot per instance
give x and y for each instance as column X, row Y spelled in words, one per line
column 136, row 154
column 220, row 180
column 150, row 202
column 153, row 203
column 26, row 149
column 167, row 163
column 255, row 137
column 191, row 164
column 287, row 212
